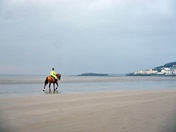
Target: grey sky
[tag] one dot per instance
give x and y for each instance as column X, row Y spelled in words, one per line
column 79, row 36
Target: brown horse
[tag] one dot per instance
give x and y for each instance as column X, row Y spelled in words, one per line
column 50, row 80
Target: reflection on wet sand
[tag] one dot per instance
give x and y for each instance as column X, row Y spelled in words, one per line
column 47, row 92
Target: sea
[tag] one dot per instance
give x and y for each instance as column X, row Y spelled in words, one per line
column 21, row 85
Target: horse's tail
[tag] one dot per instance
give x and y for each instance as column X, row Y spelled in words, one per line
column 46, row 81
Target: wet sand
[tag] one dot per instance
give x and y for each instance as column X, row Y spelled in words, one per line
column 132, row 111
column 8, row 80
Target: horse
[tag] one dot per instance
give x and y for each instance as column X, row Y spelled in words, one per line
column 50, row 80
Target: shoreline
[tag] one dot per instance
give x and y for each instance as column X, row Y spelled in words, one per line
column 8, row 80
column 134, row 111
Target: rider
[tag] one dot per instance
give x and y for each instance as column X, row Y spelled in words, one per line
column 53, row 74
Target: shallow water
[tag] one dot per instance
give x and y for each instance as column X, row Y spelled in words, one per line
column 11, row 86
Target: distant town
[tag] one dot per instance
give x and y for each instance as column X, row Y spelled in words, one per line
column 168, row 69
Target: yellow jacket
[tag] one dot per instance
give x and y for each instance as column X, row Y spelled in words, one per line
column 53, row 73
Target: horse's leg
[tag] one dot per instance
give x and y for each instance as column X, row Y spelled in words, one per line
column 44, row 87
column 54, row 86
column 49, row 86
column 57, row 85
column 45, row 83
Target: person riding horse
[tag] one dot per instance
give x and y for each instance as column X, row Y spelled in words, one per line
column 53, row 74
column 53, row 78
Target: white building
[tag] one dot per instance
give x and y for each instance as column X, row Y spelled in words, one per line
column 167, row 71
column 139, row 72
column 151, row 71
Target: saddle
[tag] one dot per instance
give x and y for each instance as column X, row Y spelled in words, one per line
column 53, row 79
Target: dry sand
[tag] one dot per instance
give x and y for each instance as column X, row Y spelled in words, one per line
column 137, row 111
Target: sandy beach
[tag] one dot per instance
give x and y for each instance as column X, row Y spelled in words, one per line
column 136, row 111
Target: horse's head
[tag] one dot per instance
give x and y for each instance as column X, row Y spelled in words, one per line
column 58, row 76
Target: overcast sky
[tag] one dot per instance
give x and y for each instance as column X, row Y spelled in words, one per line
column 80, row 36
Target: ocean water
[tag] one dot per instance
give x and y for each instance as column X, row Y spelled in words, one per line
column 11, row 86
